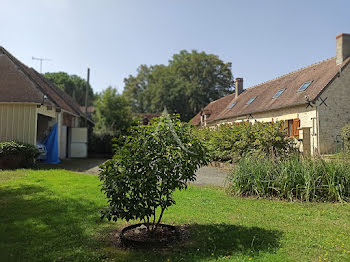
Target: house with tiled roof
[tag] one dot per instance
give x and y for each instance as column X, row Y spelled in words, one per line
column 30, row 105
column 146, row 118
column 313, row 102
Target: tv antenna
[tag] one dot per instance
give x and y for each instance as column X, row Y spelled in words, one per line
column 41, row 61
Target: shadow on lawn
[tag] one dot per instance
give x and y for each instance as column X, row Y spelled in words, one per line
column 89, row 165
column 36, row 225
column 215, row 241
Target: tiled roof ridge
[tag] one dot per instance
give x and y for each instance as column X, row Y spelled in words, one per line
column 217, row 100
column 57, row 91
column 292, row 72
column 35, row 77
column 21, row 66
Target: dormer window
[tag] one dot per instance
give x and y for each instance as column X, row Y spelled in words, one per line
column 251, row 100
column 304, row 86
column 279, row 92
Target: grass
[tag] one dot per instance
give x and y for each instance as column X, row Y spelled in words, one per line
column 292, row 178
column 53, row 215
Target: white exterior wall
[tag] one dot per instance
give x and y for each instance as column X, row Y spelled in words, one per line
column 307, row 118
column 337, row 112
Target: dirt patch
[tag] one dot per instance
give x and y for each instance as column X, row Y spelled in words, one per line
column 162, row 240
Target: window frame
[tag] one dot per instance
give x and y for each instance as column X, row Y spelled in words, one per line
column 232, row 105
column 292, row 126
column 279, row 93
column 251, row 100
column 308, row 83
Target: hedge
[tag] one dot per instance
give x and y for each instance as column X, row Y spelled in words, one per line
column 17, row 155
column 231, row 142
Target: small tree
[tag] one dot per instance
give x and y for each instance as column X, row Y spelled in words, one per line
column 144, row 173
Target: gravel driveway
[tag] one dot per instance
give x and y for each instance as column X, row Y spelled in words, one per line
column 205, row 175
column 211, row 176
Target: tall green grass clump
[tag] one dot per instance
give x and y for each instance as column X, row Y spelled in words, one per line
column 291, row 178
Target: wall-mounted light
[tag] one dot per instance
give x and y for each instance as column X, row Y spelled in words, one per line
column 44, row 98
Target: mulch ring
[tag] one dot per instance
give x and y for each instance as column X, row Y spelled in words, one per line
column 137, row 237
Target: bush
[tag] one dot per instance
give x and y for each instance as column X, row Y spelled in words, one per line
column 155, row 161
column 291, row 178
column 232, row 142
column 345, row 133
column 16, row 155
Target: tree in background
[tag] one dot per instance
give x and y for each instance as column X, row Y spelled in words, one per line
column 73, row 85
column 188, row 83
column 112, row 113
column 135, row 87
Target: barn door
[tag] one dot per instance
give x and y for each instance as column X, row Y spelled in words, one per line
column 78, row 142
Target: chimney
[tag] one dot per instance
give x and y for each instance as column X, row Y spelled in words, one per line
column 343, row 47
column 239, row 86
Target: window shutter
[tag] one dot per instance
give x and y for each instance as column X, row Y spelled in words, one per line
column 296, row 125
column 286, row 126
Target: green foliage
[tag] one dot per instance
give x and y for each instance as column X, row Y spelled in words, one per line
column 15, row 155
column 103, row 143
column 292, row 178
column 231, row 142
column 57, row 211
column 73, row 85
column 186, row 85
column 345, row 133
column 113, row 115
column 154, row 161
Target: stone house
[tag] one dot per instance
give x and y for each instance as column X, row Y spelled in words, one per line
column 313, row 102
column 30, row 105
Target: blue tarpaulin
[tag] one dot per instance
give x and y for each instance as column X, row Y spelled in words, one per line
column 51, row 143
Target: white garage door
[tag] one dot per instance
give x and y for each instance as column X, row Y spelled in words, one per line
column 78, row 145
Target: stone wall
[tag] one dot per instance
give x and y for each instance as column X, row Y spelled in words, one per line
column 336, row 113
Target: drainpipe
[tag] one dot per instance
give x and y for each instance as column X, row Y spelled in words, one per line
column 318, row 129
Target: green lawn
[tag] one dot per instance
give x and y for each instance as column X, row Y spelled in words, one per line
column 53, row 216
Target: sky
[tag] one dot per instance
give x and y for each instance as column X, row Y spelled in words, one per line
column 262, row 39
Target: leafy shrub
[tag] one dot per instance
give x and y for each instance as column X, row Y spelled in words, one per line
column 291, row 178
column 154, row 161
column 345, row 133
column 232, row 142
column 15, row 155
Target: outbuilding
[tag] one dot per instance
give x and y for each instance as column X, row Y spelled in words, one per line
column 30, row 105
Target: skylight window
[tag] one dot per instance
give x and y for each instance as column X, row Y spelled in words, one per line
column 279, row 92
column 251, row 100
column 304, row 86
column 232, row 105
